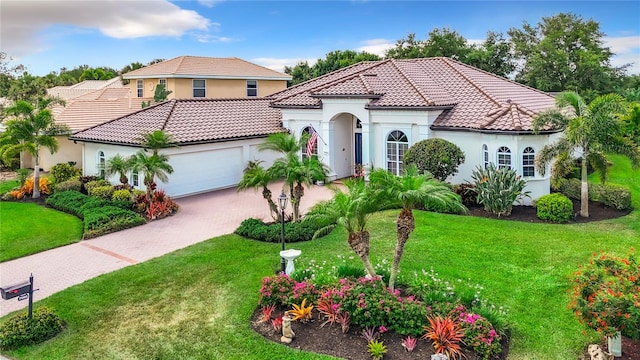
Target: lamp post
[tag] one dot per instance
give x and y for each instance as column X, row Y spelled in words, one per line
column 282, row 201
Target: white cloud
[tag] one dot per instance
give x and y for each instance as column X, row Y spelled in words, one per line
column 279, row 64
column 209, row 3
column 626, row 50
column 376, row 46
column 25, row 22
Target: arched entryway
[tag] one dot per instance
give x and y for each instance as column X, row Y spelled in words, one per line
column 346, row 144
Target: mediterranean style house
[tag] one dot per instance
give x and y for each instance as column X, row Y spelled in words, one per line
column 206, row 77
column 94, row 102
column 367, row 114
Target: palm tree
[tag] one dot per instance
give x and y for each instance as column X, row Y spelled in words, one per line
column 590, row 130
column 297, row 172
column 119, row 165
column 152, row 166
column 407, row 191
column 31, row 128
column 156, row 140
column 255, row 176
column 352, row 210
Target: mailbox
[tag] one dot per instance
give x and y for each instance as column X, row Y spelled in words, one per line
column 16, row 290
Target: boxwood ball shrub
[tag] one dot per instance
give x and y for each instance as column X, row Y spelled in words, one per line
column 19, row 330
column 554, row 207
column 438, row 156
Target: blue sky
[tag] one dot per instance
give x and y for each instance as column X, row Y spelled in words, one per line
column 47, row 35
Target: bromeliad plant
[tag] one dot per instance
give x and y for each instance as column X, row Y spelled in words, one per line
column 498, row 188
column 606, row 296
column 376, row 349
column 445, row 335
column 301, row 312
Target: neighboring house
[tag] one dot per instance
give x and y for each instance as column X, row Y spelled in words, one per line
column 82, row 88
column 206, row 77
column 369, row 113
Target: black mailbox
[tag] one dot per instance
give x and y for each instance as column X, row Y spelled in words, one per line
column 16, row 290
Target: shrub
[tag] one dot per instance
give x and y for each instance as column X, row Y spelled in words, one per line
column 122, row 195
column 467, row 194
column 105, row 219
column 70, row 202
column 294, row 231
column 276, row 290
column 27, row 187
column 554, row 207
column 102, row 192
column 479, row 333
column 95, row 183
column 615, row 196
column 71, row 184
column 498, row 189
column 605, row 296
column 20, row 331
column 438, row 156
column 63, row 172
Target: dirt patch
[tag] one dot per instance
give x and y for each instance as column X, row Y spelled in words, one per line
column 330, row 340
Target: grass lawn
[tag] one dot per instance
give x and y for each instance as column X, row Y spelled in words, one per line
column 8, row 185
column 196, row 303
column 28, row 228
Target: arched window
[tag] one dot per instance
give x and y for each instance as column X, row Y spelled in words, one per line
column 485, row 156
column 397, row 146
column 313, row 139
column 101, row 164
column 504, row 157
column 528, row 157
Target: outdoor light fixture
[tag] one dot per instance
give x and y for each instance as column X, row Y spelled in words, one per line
column 282, row 201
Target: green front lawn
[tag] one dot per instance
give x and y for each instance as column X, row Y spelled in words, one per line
column 8, row 185
column 196, row 303
column 27, row 228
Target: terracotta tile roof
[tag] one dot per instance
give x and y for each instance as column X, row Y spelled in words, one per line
column 473, row 99
column 96, row 107
column 81, row 88
column 191, row 121
column 206, row 67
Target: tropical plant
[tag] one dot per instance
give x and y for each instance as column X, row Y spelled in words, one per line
column 152, row 166
column 267, row 310
column 329, row 310
column 351, row 210
column 344, row 320
column 255, row 176
column 439, row 157
column 301, row 312
column 369, row 334
column 31, row 128
column 297, row 172
column 376, row 349
column 64, row 171
column 119, row 165
column 277, row 324
column 407, row 191
column 445, row 335
column 498, row 189
column 409, row 343
column 156, row 140
column 631, row 122
column 590, row 130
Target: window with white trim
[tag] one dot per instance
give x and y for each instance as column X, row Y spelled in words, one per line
column 252, row 88
column 504, row 157
column 102, row 161
column 135, row 179
column 163, row 82
column 397, row 146
column 199, row 88
column 485, row 156
column 140, row 87
column 528, row 167
column 304, row 148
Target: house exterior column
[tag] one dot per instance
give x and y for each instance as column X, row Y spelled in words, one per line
column 326, row 131
column 366, row 144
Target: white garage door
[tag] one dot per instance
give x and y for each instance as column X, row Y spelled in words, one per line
column 203, row 171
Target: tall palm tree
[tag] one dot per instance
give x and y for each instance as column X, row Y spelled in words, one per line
column 119, row 165
column 255, row 176
column 152, row 166
column 407, row 191
column 156, row 140
column 590, row 130
column 31, row 128
column 351, row 210
column 297, row 172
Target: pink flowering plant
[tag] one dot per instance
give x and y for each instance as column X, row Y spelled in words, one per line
column 606, row 294
column 283, row 291
column 479, row 334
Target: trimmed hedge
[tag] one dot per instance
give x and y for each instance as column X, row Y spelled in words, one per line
column 611, row 195
column 103, row 192
column 100, row 216
column 95, row 183
column 554, row 207
column 20, row 331
column 293, row 231
column 71, row 184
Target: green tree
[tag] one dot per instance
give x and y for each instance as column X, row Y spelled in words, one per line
column 297, row 172
column 119, row 165
column 155, row 165
column 590, row 130
column 334, row 60
column 31, row 128
column 439, row 157
column 631, row 123
column 493, row 55
column 352, row 210
column 406, row 48
column 564, row 52
column 301, row 72
column 27, row 87
column 407, row 191
column 8, row 73
column 156, row 140
column 159, row 95
column 255, row 176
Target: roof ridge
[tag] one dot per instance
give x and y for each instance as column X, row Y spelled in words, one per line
column 179, row 63
column 473, row 83
column 365, row 83
column 166, row 120
column 412, row 83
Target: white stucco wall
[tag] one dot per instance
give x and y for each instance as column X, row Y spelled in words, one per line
column 67, row 151
column 197, row 168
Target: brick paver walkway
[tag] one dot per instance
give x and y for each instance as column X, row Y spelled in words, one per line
column 201, row 217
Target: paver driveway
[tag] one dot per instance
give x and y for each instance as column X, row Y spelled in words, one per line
column 201, row 217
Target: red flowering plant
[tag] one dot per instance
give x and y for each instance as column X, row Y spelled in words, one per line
column 479, row 334
column 606, row 295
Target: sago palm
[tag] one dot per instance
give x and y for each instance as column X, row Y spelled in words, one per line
column 590, row 130
column 407, row 191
